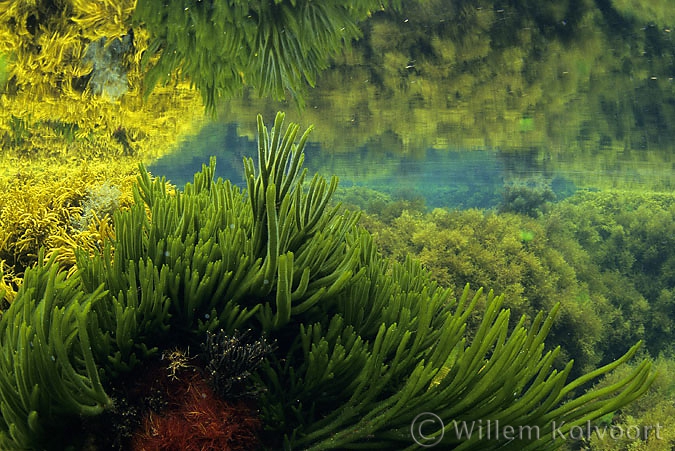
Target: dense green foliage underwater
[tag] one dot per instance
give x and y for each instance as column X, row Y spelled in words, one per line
column 362, row 345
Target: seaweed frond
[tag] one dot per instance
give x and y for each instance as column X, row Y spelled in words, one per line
column 220, row 47
column 232, row 359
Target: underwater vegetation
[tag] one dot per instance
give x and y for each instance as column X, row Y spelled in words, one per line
column 208, row 407
column 357, row 345
column 606, row 257
column 653, row 12
column 60, row 209
column 275, row 47
column 527, row 77
column 108, row 76
column 630, row 238
column 82, row 61
column 527, row 197
column 655, row 407
column 561, row 79
column 3, row 72
column 115, row 78
column 512, row 254
column 361, row 345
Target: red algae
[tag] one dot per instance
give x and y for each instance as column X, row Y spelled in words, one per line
column 196, row 419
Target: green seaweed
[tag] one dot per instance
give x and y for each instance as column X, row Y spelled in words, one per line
column 363, row 345
column 49, row 375
column 276, row 47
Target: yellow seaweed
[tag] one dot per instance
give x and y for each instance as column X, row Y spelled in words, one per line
column 41, row 205
column 50, row 72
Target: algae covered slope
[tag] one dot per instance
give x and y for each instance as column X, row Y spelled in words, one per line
column 361, row 346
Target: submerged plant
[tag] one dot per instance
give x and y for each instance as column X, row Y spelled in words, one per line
column 74, row 84
column 49, row 375
column 59, row 209
column 363, row 346
column 232, row 359
column 526, row 197
column 182, row 411
column 273, row 46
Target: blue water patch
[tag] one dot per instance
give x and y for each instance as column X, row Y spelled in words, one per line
column 214, row 139
column 471, row 179
column 443, row 178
